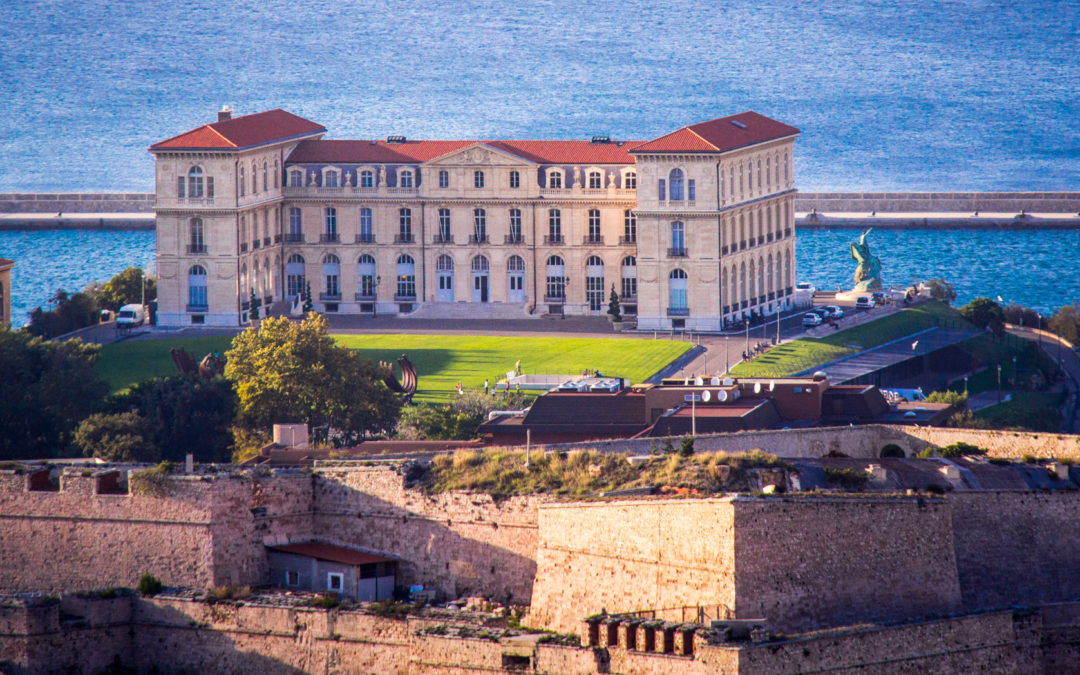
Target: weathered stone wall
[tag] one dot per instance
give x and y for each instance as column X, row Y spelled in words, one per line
column 939, row 202
column 632, row 556
column 808, row 563
column 460, row 543
column 132, row 202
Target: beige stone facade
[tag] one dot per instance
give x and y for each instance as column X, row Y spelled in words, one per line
column 692, row 230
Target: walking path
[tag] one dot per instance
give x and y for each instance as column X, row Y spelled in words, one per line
column 1063, row 353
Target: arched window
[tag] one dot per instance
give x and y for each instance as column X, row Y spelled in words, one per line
column 556, row 279
column 787, row 270
column 365, row 269
column 554, row 178
column 675, row 183
column 749, row 175
column 479, row 226
column 725, row 289
column 629, row 278
column 768, row 224
column 197, row 296
column 478, row 179
column 331, row 270
column 294, row 275
column 480, row 264
column 404, row 226
column 761, row 279
column 630, row 180
column 241, row 181
column 596, row 181
column 594, row 236
column 677, row 297
column 256, row 278
column 266, row 277
column 629, row 227
column 768, row 172
column 444, row 264
column 769, row 276
column 367, row 234
column 405, row 179
column 742, row 284
column 194, row 182
column 742, row 231
column 554, row 227
column 275, row 174
column 759, row 181
column 594, row 283
column 367, row 178
column 678, row 240
column 197, row 242
column 330, row 178
column 406, row 277
column 480, row 279
column 515, row 264
column 296, row 178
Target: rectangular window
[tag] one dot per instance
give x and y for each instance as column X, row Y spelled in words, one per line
column 331, row 221
column 594, row 226
column 629, row 288
column 555, row 225
column 515, row 179
column 556, row 287
column 330, row 179
column 365, row 225
column 594, row 292
column 595, row 181
column 180, row 182
column 515, row 224
column 478, row 179
column 690, row 193
column 630, row 181
column 444, row 224
column 629, row 227
column 406, row 286
column 444, row 179
column 210, row 187
column 335, row 582
column 294, row 222
column 406, row 179
column 405, row 222
column 367, row 179
column 662, row 190
column 367, row 286
column 554, row 179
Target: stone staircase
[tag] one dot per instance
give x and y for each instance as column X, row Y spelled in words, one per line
column 471, row 310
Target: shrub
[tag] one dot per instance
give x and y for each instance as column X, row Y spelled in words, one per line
column 687, row 447
column 393, row 609
column 961, row 449
column 227, row 593
column 950, row 397
column 322, row 602
column 152, row 482
column 149, row 585
column 849, row 479
column 925, row 453
column 116, row 437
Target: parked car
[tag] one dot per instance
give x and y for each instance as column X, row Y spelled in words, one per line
column 864, row 302
column 823, row 312
column 835, row 312
column 810, row 319
column 879, row 298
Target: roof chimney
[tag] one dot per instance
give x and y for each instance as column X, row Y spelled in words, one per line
column 224, row 114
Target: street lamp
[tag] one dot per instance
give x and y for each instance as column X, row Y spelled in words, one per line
column 965, row 386
column 999, row 382
column 747, row 320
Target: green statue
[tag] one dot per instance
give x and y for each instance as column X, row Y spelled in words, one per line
column 868, row 273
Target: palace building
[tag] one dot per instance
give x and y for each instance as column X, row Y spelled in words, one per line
column 694, row 229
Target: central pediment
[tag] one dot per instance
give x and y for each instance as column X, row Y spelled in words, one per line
column 479, row 154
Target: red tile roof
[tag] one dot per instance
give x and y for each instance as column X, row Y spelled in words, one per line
column 243, row 132
column 720, row 135
column 338, row 554
column 540, row 152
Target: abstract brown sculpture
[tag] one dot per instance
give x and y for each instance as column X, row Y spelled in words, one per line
column 408, row 383
column 211, row 365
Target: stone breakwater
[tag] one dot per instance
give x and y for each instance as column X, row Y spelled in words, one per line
column 939, row 210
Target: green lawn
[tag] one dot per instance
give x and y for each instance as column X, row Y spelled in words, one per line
column 441, row 360
column 805, row 353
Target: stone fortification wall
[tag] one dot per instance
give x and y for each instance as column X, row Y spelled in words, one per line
column 457, row 542
column 199, row 531
column 939, row 202
column 1016, row 547
column 130, row 202
column 632, row 556
column 808, row 563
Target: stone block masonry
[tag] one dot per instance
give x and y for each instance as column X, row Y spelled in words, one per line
column 52, row 203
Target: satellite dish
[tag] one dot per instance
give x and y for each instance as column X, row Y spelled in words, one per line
column 706, row 396
column 757, row 387
column 715, row 381
column 698, row 381
column 772, row 385
column 721, row 396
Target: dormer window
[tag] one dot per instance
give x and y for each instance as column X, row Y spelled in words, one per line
column 406, row 178
column 367, row 178
column 630, row 180
column 554, row 178
column 296, row 178
column 330, row 178
column 596, row 181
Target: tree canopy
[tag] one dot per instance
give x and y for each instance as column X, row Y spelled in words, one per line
column 985, row 313
column 456, row 420
column 295, row 372
column 47, row 388
column 126, row 288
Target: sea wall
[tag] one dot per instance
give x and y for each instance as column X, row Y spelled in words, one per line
column 53, row 203
column 938, row 202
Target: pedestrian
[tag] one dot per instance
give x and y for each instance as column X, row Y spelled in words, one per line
column 486, row 386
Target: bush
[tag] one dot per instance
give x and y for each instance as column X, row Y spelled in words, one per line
column 72, row 313
column 393, row 609
column 951, row 397
column 960, row 449
column 687, row 447
column 322, row 602
column 227, row 593
column 456, row 420
column 149, row 585
column 985, row 313
column 849, row 479
column 117, row 437
column 152, row 482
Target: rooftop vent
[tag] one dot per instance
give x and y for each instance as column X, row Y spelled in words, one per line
column 395, row 139
column 224, row 114
column 601, row 140
column 738, row 124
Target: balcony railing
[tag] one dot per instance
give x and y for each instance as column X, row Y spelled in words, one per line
column 676, row 252
column 403, row 239
column 329, row 238
column 678, row 311
column 368, row 238
column 197, row 308
column 196, row 248
column 593, row 239
column 478, row 239
column 554, row 298
column 403, row 191
column 443, row 239
column 294, row 237
column 553, row 239
column 404, row 298
column 624, row 240
column 330, row 297
column 513, row 239
column 361, row 297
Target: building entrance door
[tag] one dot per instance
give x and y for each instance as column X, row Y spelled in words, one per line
column 480, row 287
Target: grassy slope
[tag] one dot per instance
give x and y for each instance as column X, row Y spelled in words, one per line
column 441, row 360
column 798, row 355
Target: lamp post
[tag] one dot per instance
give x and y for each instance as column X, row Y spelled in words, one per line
column 1016, row 373
column 779, row 308
column 747, row 320
column 999, row 382
column 965, row 386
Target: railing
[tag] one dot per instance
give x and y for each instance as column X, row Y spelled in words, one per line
column 555, row 192
column 593, row 239
column 676, row 252
column 368, row 238
column 196, row 248
column 403, row 191
column 554, row 298
column 293, row 237
column 404, row 298
column 328, row 238
column 513, row 239
column 553, row 239
column 478, row 239
column 624, row 240
column 332, row 297
column 403, row 239
column 196, row 201
column 440, row 239
column 678, row 311
column 197, row 308
column 360, row 297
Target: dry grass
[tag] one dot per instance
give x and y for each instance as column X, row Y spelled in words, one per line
column 502, row 473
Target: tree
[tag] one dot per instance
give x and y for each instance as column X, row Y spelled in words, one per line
column 613, row 306
column 71, row 312
column 1066, row 323
column 295, row 372
column 309, row 306
column 116, row 437
column 456, row 420
column 47, row 388
column 253, row 308
column 184, row 414
column 942, row 290
column 1019, row 315
column 126, row 288
column 985, row 313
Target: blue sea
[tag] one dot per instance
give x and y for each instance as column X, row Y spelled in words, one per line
column 889, row 94
column 1034, row 268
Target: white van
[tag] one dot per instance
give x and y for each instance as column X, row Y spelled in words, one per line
column 130, row 316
